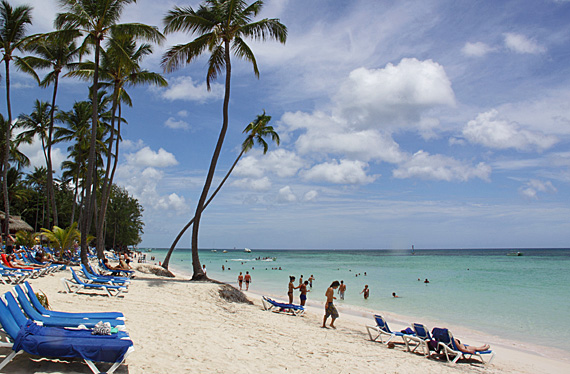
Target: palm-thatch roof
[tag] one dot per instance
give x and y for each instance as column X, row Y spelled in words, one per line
column 16, row 223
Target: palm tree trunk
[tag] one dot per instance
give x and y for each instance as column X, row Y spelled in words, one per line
column 197, row 268
column 173, row 246
column 51, row 189
column 91, row 162
column 7, row 151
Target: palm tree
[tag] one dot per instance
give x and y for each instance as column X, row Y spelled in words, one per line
column 257, row 130
column 13, row 22
column 96, row 19
column 15, row 155
column 62, row 239
column 120, row 67
column 221, row 27
column 56, row 52
column 37, row 181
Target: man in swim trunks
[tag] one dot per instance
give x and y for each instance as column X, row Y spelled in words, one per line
column 240, row 280
column 247, row 280
column 303, row 289
column 330, row 309
column 341, row 290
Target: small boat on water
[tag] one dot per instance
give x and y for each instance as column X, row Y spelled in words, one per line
column 247, row 250
column 224, row 251
column 515, row 253
column 214, row 250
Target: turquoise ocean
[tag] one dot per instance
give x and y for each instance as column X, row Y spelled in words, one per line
column 519, row 298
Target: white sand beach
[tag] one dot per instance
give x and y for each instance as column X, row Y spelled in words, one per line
column 179, row 326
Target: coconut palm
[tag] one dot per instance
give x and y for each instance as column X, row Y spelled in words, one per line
column 56, row 52
column 120, row 68
column 13, row 22
column 15, row 155
column 62, row 239
column 258, row 130
column 221, row 27
column 95, row 19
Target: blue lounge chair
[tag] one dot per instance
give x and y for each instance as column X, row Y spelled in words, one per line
column 446, row 343
column 381, row 330
column 270, row 304
column 61, row 343
column 93, row 271
column 421, row 339
column 128, row 273
column 26, row 293
column 76, row 284
column 103, row 279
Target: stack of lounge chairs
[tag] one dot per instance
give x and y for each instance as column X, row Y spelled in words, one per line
column 31, row 328
column 418, row 339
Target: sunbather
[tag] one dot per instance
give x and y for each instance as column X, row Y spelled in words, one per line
column 21, row 264
column 469, row 348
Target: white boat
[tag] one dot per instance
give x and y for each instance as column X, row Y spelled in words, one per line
column 515, row 253
column 213, row 250
column 247, row 250
column 224, row 251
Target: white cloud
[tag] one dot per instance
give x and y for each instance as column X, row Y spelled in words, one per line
column 521, row 44
column 343, row 172
column 35, row 153
column 438, row 167
column 493, row 132
column 531, row 188
column 395, row 95
column 184, row 88
column 183, row 113
column 260, row 184
column 132, row 145
column 280, row 162
column 310, row 195
column 477, row 49
column 172, row 123
column 147, row 157
column 285, row 195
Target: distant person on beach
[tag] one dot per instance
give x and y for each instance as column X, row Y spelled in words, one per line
column 247, row 279
column 330, row 309
column 394, row 294
column 291, row 288
column 469, row 348
column 366, row 292
column 341, row 289
column 223, row 268
column 303, row 289
column 311, row 279
column 300, row 281
column 204, row 269
column 240, row 280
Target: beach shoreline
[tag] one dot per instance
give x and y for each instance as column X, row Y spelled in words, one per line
column 185, row 327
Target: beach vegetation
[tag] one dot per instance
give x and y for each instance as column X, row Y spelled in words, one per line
column 256, row 131
column 221, row 27
column 62, row 239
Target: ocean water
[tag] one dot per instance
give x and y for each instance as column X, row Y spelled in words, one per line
column 520, row 298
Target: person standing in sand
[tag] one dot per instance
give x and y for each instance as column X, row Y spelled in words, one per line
column 303, row 289
column 366, row 292
column 330, row 309
column 247, row 280
column 240, row 280
column 341, row 289
column 291, row 288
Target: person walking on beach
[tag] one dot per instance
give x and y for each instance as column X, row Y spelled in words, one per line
column 240, row 280
column 300, row 281
column 366, row 292
column 291, row 288
column 247, row 280
column 330, row 309
column 341, row 289
column 303, row 289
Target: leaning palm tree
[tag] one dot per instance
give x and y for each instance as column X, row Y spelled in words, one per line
column 62, row 239
column 221, row 27
column 257, row 130
column 55, row 51
column 120, row 68
column 96, row 19
column 13, row 22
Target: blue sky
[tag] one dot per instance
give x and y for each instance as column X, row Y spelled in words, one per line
column 441, row 124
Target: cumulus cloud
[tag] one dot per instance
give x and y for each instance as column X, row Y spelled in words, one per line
column 286, row 195
column 280, row 162
column 531, row 188
column 521, row 44
column 253, row 184
column 184, row 88
column 35, row 153
column 439, row 167
column 490, row 131
column 394, row 95
column 310, row 195
column 175, row 124
column 147, row 157
column 343, row 172
column 477, row 49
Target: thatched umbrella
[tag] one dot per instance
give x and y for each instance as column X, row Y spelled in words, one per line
column 16, row 223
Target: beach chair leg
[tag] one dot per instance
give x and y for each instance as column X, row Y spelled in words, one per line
column 9, row 358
